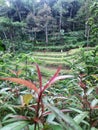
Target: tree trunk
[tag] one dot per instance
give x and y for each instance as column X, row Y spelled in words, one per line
column 46, row 33
column 19, row 14
column 5, row 35
column 60, row 22
column 87, row 28
column 87, row 34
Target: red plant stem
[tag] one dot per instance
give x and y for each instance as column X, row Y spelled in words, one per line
column 86, row 105
column 39, row 105
column 90, row 117
column 35, row 126
column 37, row 110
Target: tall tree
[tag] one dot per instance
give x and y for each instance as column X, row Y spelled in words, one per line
column 58, row 6
column 87, row 15
column 83, row 16
column 18, row 10
column 93, row 23
column 72, row 9
column 43, row 19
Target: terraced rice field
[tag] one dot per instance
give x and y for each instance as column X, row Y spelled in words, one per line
column 50, row 61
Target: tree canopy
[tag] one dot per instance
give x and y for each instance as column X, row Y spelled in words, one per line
column 44, row 21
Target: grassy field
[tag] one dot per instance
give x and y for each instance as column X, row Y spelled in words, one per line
column 50, row 61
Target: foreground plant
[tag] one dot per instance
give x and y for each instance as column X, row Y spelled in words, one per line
column 38, row 121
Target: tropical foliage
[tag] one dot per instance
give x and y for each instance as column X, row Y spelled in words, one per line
column 70, row 103
column 48, row 65
column 30, row 24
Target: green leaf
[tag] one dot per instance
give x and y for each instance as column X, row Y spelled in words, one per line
column 56, row 127
column 66, row 121
column 31, row 127
column 79, row 118
column 15, row 126
column 89, row 91
column 8, row 121
column 11, row 108
column 93, row 128
column 94, row 102
column 7, row 117
column 50, row 119
column 0, row 124
column 75, row 109
column 52, row 127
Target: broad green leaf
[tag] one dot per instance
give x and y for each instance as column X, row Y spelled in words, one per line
column 15, row 126
column 79, row 118
column 66, row 121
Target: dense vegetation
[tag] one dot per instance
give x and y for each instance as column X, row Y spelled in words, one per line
column 48, row 65
column 70, row 104
column 28, row 24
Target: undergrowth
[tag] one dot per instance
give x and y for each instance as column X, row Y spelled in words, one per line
column 65, row 102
